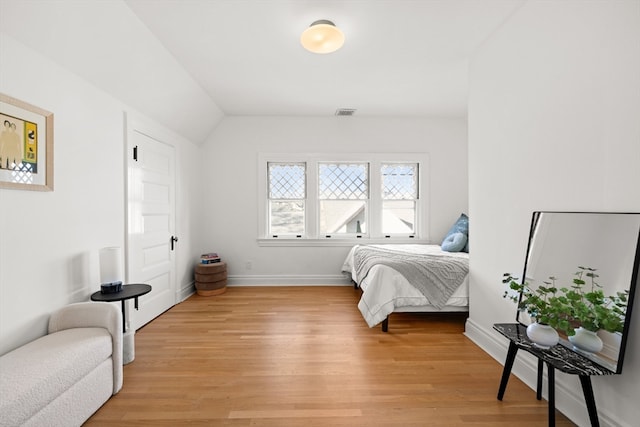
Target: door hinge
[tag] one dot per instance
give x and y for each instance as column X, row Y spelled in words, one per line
column 135, row 153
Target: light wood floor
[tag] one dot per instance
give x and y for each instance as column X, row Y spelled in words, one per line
column 303, row 356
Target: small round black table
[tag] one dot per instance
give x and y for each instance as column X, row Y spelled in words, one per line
column 128, row 291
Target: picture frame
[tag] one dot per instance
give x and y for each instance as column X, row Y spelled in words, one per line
column 26, row 146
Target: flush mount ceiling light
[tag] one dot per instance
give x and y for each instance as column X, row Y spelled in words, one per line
column 322, row 37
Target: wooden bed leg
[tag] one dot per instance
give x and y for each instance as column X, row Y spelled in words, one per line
column 385, row 324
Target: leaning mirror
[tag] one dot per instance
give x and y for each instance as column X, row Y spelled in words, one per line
column 599, row 247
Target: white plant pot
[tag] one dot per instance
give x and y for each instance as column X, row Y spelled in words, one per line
column 543, row 336
column 587, row 341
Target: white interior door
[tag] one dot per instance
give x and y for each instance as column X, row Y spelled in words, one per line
column 150, row 222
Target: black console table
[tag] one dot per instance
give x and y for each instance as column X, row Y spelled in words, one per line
column 557, row 357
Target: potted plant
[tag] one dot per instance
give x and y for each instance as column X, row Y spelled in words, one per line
column 592, row 311
column 581, row 310
column 544, row 304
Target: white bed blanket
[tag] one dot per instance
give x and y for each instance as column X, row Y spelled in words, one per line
column 386, row 291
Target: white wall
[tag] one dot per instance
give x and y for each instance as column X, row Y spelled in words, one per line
column 189, row 213
column 230, row 159
column 553, row 125
column 49, row 241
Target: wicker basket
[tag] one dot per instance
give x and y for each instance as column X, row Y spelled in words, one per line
column 211, row 279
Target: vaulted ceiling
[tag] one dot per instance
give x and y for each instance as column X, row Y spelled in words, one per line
column 187, row 60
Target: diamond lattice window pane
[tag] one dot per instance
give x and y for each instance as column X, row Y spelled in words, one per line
column 399, row 181
column 287, row 180
column 343, row 181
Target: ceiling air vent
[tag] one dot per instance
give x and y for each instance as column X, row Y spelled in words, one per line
column 345, row 112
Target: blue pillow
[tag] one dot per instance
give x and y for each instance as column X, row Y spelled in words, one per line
column 454, row 242
column 460, row 226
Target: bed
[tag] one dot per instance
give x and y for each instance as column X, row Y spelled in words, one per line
column 407, row 278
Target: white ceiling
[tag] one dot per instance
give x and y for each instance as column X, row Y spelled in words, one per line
column 400, row 58
column 187, row 63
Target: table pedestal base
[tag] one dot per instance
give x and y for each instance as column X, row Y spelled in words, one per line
column 128, row 347
column 128, row 292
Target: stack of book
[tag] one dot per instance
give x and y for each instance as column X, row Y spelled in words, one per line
column 209, row 258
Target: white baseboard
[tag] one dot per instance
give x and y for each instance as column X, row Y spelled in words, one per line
column 288, row 280
column 185, row 292
column 569, row 397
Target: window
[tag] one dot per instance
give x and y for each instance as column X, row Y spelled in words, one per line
column 287, row 195
column 321, row 197
column 399, row 197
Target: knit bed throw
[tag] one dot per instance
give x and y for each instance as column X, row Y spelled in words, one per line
column 436, row 276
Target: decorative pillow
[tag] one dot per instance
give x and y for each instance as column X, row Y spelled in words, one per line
column 466, row 247
column 454, row 242
column 460, row 226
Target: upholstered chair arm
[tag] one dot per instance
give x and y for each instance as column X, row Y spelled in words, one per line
column 94, row 315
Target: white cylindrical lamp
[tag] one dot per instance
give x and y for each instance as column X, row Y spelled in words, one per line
column 111, row 270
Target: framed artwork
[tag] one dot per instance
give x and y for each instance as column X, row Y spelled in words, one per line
column 26, row 146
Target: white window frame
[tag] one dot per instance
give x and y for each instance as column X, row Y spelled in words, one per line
column 373, row 233
column 417, row 200
column 268, row 203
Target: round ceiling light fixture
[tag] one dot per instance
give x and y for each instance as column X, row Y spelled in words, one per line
column 322, row 36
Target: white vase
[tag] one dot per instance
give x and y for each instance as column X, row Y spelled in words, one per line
column 543, row 336
column 587, row 341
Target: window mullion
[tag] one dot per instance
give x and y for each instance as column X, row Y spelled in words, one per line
column 375, row 199
column 313, row 204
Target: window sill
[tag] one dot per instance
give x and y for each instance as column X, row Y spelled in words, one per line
column 341, row 242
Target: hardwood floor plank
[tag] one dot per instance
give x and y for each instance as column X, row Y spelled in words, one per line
column 296, row 413
column 303, row 356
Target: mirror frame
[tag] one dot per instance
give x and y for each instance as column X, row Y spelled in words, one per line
column 635, row 279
